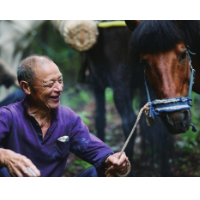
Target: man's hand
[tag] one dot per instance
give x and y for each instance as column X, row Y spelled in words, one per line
column 116, row 164
column 17, row 164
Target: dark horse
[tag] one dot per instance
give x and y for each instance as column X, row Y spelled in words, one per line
column 163, row 49
column 107, row 63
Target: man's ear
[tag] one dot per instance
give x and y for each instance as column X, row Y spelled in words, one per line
column 132, row 24
column 25, row 86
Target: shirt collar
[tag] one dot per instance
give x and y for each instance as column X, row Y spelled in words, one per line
column 54, row 112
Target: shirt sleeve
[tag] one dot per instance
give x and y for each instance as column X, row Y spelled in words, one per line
column 5, row 125
column 87, row 146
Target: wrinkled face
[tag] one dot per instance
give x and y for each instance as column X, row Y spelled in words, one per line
column 168, row 74
column 48, row 86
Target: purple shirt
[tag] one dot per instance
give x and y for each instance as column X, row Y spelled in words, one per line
column 21, row 133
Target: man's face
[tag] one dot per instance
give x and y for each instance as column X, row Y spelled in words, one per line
column 48, row 85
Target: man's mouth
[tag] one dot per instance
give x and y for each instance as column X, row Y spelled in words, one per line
column 55, row 98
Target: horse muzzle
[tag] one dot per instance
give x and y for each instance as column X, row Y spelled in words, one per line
column 177, row 122
column 174, row 112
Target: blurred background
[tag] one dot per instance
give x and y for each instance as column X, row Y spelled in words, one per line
column 19, row 39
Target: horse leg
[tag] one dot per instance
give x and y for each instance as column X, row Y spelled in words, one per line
column 100, row 119
column 123, row 103
column 156, row 142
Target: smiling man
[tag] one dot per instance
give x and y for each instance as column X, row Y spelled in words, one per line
column 37, row 134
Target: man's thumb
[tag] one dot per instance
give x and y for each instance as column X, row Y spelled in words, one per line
column 113, row 160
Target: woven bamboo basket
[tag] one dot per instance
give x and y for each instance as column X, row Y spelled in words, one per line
column 79, row 34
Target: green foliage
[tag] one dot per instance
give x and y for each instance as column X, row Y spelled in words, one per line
column 70, row 169
column 186, row 147
column 189, row 143
column 109, row 96
column 136, row 104
column 82, row 163
column 84, row 116
column 74, row 98
column 83, row 95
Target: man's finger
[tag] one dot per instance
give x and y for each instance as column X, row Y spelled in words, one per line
column 112, row 160
column 32, row 169
column 35, row 171
column 17, row 173
column 122, row 170
column 115, row 160
column 26, row 172
column 122, row 159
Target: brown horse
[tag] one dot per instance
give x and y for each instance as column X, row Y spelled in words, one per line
column 163, row 49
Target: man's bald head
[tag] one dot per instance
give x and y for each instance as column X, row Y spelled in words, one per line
column 26, row 69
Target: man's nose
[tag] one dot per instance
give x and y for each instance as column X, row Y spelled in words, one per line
column 58, row 87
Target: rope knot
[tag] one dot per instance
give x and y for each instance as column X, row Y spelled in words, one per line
column 150, row 120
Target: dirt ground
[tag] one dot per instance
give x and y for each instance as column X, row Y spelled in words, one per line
column 182, row 165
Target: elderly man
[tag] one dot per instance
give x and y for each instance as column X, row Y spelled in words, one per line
column 37, row 133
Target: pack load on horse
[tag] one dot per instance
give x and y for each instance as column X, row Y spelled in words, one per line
column 79, row 34
column 164, row 50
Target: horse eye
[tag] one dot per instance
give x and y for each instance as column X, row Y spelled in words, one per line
column 144, row 63
column 183, row 55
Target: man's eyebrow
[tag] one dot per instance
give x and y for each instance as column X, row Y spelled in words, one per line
column 54, row 79
column 58, row 78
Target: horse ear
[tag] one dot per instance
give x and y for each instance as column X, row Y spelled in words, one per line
column 132, row 24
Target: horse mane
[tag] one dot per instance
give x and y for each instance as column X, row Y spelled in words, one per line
column 159, row 36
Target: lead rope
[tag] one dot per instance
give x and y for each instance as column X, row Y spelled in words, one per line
column 110, row 172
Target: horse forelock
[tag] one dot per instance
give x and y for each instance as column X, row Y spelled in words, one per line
column 160, row 36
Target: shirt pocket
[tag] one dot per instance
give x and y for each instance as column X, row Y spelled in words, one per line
column 62, row 148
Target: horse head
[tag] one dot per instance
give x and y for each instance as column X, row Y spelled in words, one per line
column 161, row 49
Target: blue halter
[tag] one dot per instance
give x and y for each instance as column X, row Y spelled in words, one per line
column 172, row 104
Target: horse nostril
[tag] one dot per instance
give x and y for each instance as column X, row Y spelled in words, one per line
column 169, row 120
column 185, row 114
column 178, row 117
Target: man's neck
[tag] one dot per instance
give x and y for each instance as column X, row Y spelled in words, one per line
column 41, row 114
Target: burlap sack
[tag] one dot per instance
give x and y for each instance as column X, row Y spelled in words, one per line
column 79, row 34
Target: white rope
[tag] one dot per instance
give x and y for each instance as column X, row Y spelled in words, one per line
column 150, row 121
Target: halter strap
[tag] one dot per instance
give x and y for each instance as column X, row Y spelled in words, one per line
column 147, row 89
column 192, row 72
